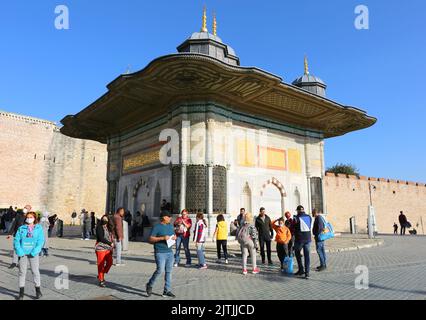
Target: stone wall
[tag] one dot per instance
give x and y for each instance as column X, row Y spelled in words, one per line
column 48, row 170
column 348, row 196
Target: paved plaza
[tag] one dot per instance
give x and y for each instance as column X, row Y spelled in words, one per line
column 396, row 269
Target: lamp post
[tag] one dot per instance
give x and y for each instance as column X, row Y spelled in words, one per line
column 371, row 221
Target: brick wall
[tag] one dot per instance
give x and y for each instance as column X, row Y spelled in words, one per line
column 348, row 196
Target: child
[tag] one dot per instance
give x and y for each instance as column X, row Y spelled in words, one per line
column 395, row 228
column 221, row 234
column 200, row 238
column 282, row 238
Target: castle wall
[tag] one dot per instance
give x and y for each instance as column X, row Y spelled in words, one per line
column 348, row 196
column 50, row 171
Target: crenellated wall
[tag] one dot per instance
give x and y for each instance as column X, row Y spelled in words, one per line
column 44, row 168
column 349, row 196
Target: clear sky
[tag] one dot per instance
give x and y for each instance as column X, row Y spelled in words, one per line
column 50, row 73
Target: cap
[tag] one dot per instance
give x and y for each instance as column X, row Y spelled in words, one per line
column 300, row 208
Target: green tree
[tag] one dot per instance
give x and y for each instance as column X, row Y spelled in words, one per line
column 343, row 168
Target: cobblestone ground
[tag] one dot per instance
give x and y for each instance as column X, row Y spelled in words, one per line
column 397, row 270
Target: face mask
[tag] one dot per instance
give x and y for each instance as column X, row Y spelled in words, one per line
column 25, row 211
column 29, row 220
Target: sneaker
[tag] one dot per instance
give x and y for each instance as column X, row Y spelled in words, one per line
column 256, row 270
column 148, row 290
column 12, row 266
column 245, row 271
column 203, row 267
column 102, row 284
column 87, row 239
column 226, row 261
column 175, row 265
column 168, row 294
column 307, row 276
column 299, row 273
column 321, row 268
column 119, row 264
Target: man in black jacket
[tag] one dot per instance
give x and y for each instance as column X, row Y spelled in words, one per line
column 263, row 226
column 316, row 231
column 303, row 228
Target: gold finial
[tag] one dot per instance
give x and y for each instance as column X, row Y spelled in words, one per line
column 204, row 26
column 214, row 25
column 306, row 66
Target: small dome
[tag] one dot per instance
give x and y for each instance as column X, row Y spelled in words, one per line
column 209, row 36
column 308, row 78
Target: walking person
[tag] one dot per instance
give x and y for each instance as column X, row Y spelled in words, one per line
column 303, row 228
column 283, row 237
column 83, row 230
column 403, row 222
column 240, row 218
column 119, row 236
column 200, row 235
column 17, row 223
column 92, row 224
column 73, row 218
column 28, row 242
column 87, row 225
column 160, row 235
column 319, row 225
column 266, row 233
column 395, row 228
column 45, row 224
column 247, row 238
column 221, row 235
column 182, row 229
column 104, row 248
column 290, row 223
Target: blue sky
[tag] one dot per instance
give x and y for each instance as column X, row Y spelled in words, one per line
column 49, row 73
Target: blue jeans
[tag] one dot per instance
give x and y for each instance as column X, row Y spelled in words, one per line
column 164, row 261
column 200, row 254
column 321, row 253
column 306, row 246
column 185, row 241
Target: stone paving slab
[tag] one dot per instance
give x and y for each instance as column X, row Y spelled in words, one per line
column 396, row 270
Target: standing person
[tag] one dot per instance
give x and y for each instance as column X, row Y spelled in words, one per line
column 145, row 222
column 118, row 227
column 200, row 239
column 18, row 222
column 87, row 225
column 136, row 225
column 266, row 233
column 92, row 224
column 28, row 243
column 233, row 227
column 403, row 222
column 73, row 218
column 395, row 228
column 45, row 224
column 221, row 234
column 52, row 221
column 283, row 237
column 128, row 218
column 247, row 238
column 302, row 241
column 83, row 231
column 319, row 225
column 183, row 226
column 160, row 234
column 8, row 219
column 104, row 247
column 290, row 223
column 240, row 217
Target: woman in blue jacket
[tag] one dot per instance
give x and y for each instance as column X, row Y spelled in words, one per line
column 28, row 242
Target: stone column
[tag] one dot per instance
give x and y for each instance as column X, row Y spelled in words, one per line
column 308, row 175
column 324, row 202
column 185, row 150
column 209, row 163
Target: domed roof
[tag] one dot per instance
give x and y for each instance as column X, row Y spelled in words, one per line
column 209, row 36
column 308, row 78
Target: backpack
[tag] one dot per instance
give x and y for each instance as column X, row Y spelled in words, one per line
column 243, row 236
